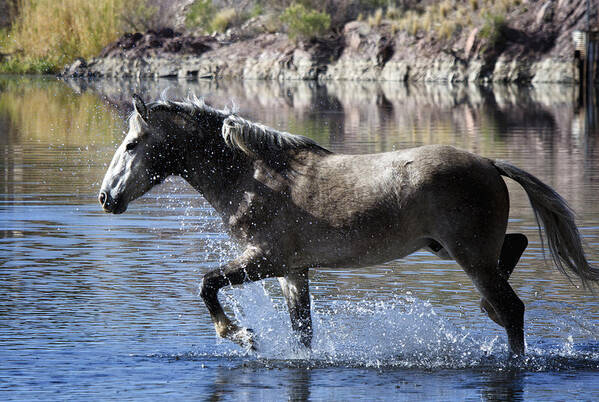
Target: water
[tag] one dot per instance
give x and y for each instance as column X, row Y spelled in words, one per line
column 98, row 306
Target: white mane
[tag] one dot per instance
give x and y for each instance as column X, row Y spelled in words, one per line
column 254, row 138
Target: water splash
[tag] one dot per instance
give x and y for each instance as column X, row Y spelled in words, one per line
column 403, row 332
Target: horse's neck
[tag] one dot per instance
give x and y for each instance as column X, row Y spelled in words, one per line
column 219, row 177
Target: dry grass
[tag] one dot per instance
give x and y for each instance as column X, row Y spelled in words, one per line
column 393, row 13
column 376, row 19
column 56, row 32
column 69, row 28
column 444, row 19
column 224, row 19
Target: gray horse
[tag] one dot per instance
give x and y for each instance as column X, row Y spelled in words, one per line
column 293, row 205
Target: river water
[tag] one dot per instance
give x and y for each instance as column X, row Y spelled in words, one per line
column 98, row 306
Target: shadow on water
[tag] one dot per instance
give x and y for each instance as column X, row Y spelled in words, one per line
column 100, row 305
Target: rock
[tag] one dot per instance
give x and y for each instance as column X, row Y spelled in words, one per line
column 553, row 70
column 470, row 42
column 545, row 14
column 364, row 55
column 77, row 69
column 163, row 41
column 507, row 70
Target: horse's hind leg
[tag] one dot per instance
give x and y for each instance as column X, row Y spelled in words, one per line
column 500, row 295
column 514, row 245
column 507, row 306
column 297, row 295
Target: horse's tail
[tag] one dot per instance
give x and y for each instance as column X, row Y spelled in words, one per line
column 553, row 213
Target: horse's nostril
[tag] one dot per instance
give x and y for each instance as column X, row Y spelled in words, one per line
column 102, row 198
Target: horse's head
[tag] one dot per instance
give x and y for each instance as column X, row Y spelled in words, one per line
column 142, row 160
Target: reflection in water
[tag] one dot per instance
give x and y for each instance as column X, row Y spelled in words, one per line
column 277, row 382
column 46, row 129
column 90, row 298
column 505, row 385
column 259, row 383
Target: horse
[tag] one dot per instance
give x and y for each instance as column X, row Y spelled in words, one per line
column 293, row 205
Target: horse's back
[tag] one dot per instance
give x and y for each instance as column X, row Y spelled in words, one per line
column 431, row 164
column 430, row 168
column 422, row 179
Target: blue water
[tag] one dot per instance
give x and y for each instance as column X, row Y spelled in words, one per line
column 97, row 306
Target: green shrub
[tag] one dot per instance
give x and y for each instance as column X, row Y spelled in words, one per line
column 369, row 5
column 200, row 14
column 257, row 10
column 493, row 30
column 303, row 23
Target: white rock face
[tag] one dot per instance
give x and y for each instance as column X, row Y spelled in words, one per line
column 301, row 66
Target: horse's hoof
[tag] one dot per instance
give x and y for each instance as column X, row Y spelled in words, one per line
column 244, row 337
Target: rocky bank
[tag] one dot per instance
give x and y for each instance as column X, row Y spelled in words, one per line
column 535, row 46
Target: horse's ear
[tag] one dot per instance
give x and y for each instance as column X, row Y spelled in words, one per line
column 140, row 106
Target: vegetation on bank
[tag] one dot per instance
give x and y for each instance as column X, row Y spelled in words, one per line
column 47, row 34
column 443, row 20
column 304, row 23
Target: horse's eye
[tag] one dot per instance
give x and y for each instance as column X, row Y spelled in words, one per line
column 131, row 145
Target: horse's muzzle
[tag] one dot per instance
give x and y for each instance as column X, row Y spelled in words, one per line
column 109, row 204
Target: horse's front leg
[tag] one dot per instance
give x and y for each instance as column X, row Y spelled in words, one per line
column 297, row 294
column 251, row 266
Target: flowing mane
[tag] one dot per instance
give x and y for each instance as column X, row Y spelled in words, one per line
column 253, row 139
column 256, row 139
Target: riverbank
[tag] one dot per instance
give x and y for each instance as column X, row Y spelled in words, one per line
column 534, row 45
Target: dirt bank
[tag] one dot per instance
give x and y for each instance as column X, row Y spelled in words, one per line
column 533, row 45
